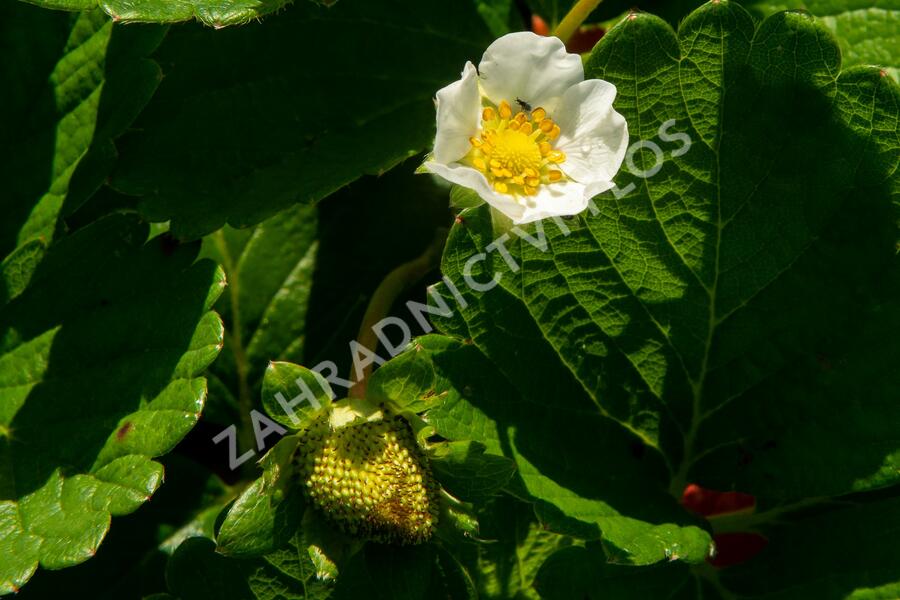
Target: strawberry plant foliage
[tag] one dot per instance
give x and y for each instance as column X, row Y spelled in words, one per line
column 216, row 13
column 727, row 317
column 85, row 406
column 866, row 30
column 269, row 270
column 74, row 82
column 234, row 137
column 718, row 313
column 352, row 472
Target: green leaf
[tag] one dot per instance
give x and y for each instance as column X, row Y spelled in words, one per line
column 402, row 573
column 217, row 13
column 505, row 566
column 789, row 224
column 269, row 270
column 131, row 561
column 292, row 395
column 583, row 572
column 537, row 422
column 299, row 283
column 72, row 83
column 865, row 29
column 17, row 268
column 197, row 572
column 461, row 197
column 326, row 96
column 257, row 523
column 99, row 360
column 467, row 472
column 628, row 336
column 805, row 558
column 326, row 546
column 497, row 15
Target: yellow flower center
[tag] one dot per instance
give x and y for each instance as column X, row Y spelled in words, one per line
column 515, row 152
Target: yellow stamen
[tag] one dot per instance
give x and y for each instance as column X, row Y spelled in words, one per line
column 515, row 151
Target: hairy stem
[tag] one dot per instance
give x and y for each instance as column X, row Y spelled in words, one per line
column 245, row 398
column 575, row 17
column 391, row 287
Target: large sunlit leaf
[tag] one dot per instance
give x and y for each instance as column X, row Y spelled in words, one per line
column 325, row 96
column 767, row 246
column 707, row 293
column 71, row 83
column 867, row 30
column 537, row 420
column 100, row 358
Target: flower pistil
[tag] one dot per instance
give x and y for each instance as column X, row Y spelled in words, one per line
column 515, row 152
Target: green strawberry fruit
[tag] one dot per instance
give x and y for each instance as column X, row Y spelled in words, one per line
column 368, row 475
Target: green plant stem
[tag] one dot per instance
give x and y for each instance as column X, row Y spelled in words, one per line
column 245, row 398
column 391, row 287
column 751, row 521
column 575, row 17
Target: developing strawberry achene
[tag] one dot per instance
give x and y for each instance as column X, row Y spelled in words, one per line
column 515, row 151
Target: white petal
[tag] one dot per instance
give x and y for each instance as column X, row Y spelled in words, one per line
column 530, row 67
column 592, row 134
column 556, row 200
column 458, row 116
column 597, row 187
column 475, row 180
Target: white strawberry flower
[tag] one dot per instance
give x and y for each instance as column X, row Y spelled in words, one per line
column 527, row 132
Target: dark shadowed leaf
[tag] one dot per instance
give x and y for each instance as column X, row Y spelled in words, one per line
column 325, row 96
column 72, row 83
